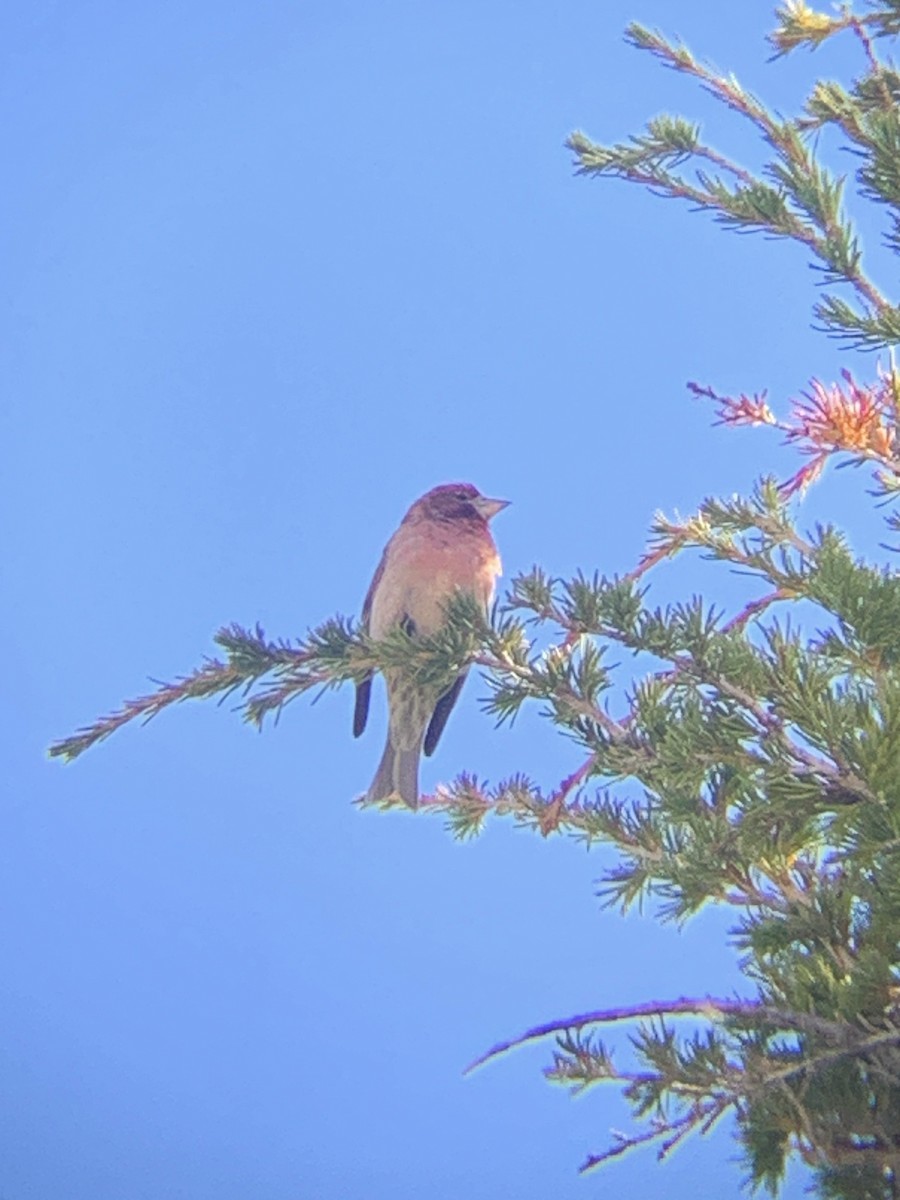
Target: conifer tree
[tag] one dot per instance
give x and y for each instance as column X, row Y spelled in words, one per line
column 757, row 764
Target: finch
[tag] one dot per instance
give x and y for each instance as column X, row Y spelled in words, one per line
column 443, row 546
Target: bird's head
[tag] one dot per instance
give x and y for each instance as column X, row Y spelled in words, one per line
column 456, row 502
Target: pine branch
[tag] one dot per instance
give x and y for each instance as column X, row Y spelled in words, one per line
column 705, row 1083
column 702, row 1115
column 709, row 1007
column 330, row 654
column 805, row 204
column 249, row 657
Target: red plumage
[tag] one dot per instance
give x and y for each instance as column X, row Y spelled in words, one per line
column 443, row 545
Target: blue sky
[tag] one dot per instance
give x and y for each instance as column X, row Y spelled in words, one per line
column 271, row 271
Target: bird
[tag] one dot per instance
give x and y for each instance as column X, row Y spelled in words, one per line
column 442, row 546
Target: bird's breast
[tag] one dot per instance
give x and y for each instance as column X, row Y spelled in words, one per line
column 423, row 570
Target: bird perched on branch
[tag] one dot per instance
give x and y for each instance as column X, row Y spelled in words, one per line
column 443, row 546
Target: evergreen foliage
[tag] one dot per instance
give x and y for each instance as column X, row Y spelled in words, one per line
column 760, row 761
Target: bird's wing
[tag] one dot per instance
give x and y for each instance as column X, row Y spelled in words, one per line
column 364, row 685
column 361, row 707
column 442, row 711
column 373, row 588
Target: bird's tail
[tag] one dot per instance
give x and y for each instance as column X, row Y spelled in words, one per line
column 397, row 775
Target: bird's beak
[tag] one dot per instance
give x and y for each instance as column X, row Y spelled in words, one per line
column 489, row 508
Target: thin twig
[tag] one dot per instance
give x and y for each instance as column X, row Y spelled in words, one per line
column 706, row 1006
